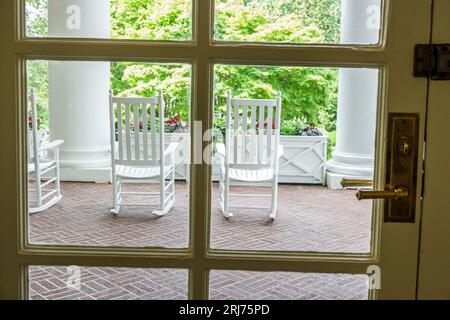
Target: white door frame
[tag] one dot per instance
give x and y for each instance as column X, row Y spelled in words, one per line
column 394, row 246
column 434, row 263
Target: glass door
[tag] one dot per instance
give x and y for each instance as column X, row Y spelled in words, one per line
column 313, row 83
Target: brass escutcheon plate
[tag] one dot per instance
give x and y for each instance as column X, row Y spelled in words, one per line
column 401, row 164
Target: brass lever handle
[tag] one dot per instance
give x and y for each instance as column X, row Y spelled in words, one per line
column 351, row 183
column 398, row 192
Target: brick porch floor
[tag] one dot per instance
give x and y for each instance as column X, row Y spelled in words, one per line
column 310, row 218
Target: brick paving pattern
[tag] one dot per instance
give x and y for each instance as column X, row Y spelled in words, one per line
column 310, row 218
column 246, row 285
column 50, row 283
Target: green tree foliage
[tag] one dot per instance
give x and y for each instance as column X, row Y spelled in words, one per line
column 37, row 79
column 37, row 71
column 324, row 14
column 36, row 17
column 309, row 94
column 145, row 80
column 306, row 92
column 262, row 21
column 293, row 21
column 151, row 19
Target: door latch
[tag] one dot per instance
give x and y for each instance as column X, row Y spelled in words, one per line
column 399, row 192
column 432, row 61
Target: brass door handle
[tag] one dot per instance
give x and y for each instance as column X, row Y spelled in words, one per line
column 353, row 183
column 398, row 192
column 390, row 192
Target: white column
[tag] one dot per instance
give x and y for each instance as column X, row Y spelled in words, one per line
column 357, row 100
column 78, row 92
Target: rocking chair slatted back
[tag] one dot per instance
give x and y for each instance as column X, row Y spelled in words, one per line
column 140, row 130
column 252, row 131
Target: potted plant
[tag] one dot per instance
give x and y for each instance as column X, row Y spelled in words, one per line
column 176, row 125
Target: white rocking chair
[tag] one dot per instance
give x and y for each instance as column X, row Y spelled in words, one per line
column 138, row 153
column 250, row 155
column 43, row 165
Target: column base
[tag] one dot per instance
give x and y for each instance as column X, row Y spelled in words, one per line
column 97, row 175
column 348, row 166
column 334, row 179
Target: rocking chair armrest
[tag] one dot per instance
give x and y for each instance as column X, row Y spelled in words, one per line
column 52, row 145
column 171, row 148
column 220, row 147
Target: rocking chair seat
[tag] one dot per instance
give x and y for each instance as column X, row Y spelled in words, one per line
column 253, row 175
column 261, row 174
column 136, row 172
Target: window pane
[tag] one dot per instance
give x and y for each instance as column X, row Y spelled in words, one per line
column 276, row 182
column 248, row 285
column 104, row 283
column 298, row 21
column 72, row 195
column 115, row 19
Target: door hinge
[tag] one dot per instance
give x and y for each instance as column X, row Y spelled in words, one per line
column 432, row 61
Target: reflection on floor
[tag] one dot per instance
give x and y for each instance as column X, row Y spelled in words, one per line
column 310, row 218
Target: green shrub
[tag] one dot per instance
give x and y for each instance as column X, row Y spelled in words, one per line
column 331, row 144
column 292, row 127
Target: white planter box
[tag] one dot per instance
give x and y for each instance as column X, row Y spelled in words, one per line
column 181, row 155
column 303, row 161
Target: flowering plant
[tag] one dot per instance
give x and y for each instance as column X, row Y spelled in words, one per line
column 30, row 122
column 175, row 123
column 297, row 127
column 311, row 130
column 265, row 124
